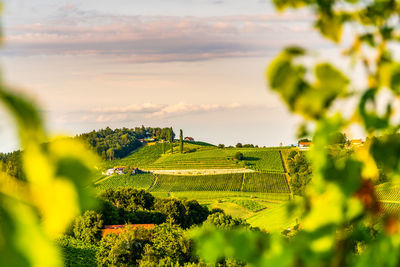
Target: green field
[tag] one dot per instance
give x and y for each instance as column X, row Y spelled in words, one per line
column 248, row 204
column 247, row 182
column 265, row 182
column 263, row 159
column 140, row 181
column 275, row 219
column 208, row 159
column 142, row 157
column 256, row 196
column 219, row 182
column 200, row 155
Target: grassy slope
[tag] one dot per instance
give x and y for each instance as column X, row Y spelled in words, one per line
column 233, row 209
column 274, row 219
column 141, row 157
column 200, row 156
column 206, row 158
column 140, row 181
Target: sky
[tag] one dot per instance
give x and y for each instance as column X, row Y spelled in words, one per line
column 196, row 65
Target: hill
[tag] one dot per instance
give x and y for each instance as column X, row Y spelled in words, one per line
column 200, row 156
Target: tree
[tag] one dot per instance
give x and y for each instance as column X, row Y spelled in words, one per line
column 88, row 227
column 163, row 147
column 239, row 156
column 129, row 199
column 239, row 145
column 123, row 249
column 181, row 141
column 221, row 146
column 300, row 172
column 169, row 247
column 224, row 221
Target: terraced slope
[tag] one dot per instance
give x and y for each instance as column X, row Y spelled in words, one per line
column 260, row 159
column 209, row 159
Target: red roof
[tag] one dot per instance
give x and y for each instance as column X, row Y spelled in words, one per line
column 305, row 143
column 116, row 229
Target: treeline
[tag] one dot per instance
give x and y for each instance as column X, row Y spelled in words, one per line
column 166, row 134
column 167, row 244
column 112, row 144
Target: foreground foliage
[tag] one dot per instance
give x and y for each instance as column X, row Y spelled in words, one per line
column 342, row 219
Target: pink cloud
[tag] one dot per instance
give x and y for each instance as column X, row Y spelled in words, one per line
column 160, row 38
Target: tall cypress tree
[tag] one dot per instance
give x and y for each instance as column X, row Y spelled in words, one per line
column 181, row 141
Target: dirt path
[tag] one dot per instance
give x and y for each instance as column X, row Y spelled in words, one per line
column 200, row 171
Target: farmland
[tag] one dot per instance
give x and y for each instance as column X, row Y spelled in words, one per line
column 221, row 182
column 265, row 182
column 248, row 188
column 263, row 159
column 276, row 219
column 139, row 158
column 208, row 159
column 200, row 156
column 140, row 181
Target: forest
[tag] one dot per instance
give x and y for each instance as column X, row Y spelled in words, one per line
column 167, row 243
column 118, row 143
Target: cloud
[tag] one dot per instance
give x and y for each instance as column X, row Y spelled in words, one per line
column 159, row 38
column 142, row 108
column 183, row 108
column 145, row 111
column 149, row 110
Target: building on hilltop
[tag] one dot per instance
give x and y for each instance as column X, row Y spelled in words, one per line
column 305, row 145
column 119, row 170
column 109, row 172
column 116, row 229
column 188, row 138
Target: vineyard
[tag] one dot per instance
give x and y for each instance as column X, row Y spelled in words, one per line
column 208, row 159
column 140, row 181
column 264, row 160
column 249, row 204
column 199, row 156
column 260, row 159
column 246, row 182
column 265, row 182
column 219, row 182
